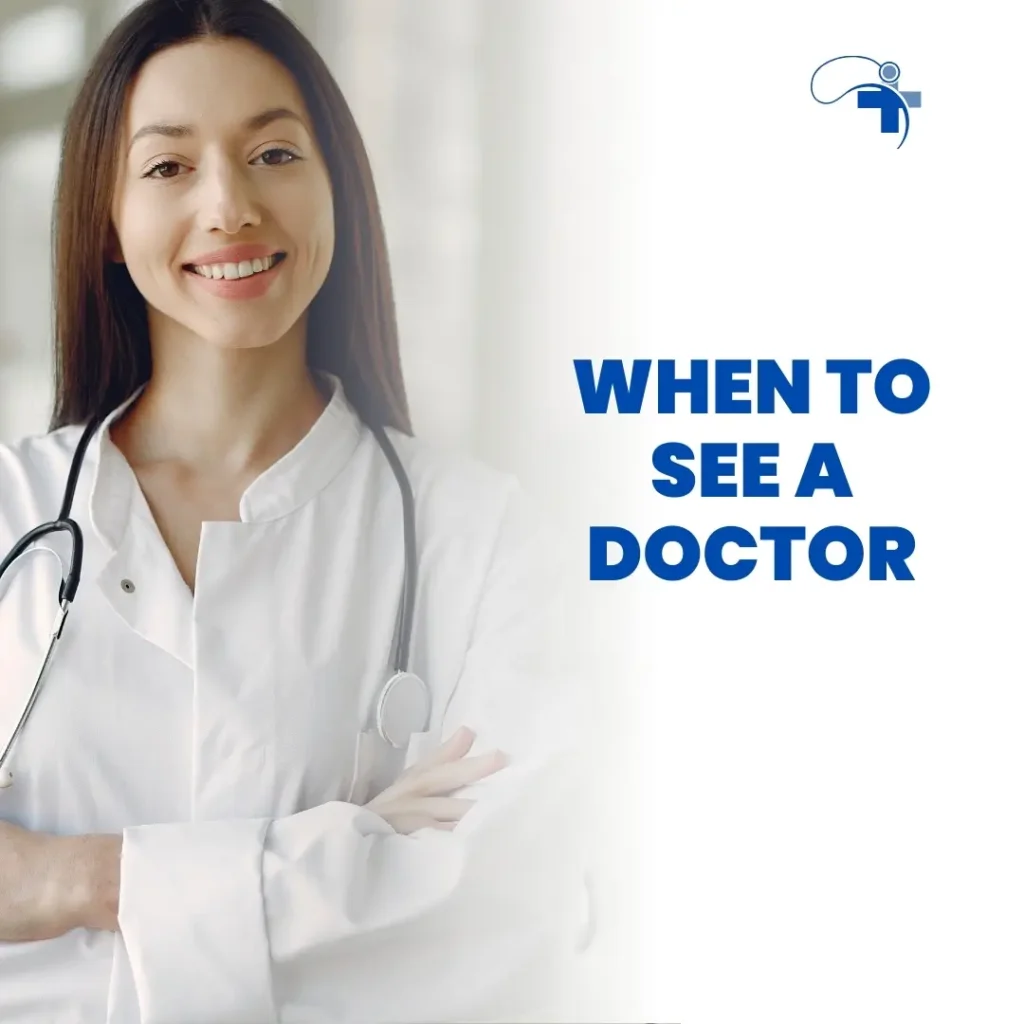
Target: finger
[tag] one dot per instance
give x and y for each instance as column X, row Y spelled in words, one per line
column 457, row 745
column 442, row 808
column 444, row 826
column 448, row 777
column 408, row 823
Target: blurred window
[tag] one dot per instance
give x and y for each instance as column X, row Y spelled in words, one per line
column 42, row 48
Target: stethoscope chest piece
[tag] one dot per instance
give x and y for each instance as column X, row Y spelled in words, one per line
column 6, row 778
column 403, row 708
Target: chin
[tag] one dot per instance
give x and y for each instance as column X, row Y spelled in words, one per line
column 241, row 341
column 241, row 332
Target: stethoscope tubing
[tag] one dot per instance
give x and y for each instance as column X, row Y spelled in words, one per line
column 55, row 632
column 69, row 584
column 409, row 577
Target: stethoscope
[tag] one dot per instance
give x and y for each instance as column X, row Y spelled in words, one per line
column 403, row 702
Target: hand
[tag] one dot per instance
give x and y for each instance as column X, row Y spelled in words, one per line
column 418, row 797
column 51, row 884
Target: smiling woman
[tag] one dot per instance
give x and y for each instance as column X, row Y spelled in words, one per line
column 212, row 811
column 276, row 156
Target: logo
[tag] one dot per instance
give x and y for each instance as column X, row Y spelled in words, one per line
column 883, row 96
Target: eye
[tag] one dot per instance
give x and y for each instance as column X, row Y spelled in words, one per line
column 157, row 170
column 277, row 152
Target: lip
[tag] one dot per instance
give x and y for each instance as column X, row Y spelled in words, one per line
column 252, row 287
column 233, row 254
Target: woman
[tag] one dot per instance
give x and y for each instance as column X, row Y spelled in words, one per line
column 203, row 824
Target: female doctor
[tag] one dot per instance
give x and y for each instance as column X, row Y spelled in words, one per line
column 212, row 815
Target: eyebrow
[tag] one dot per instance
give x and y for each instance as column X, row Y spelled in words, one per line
column 252, row 124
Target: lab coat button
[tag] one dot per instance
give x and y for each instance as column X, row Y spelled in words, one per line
column 127, row 586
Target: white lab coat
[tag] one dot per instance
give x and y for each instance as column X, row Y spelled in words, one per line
column 227, row 738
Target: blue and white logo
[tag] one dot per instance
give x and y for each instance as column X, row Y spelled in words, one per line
column 883, row 96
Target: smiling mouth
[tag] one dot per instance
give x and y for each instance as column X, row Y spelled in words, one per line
column 235, row 271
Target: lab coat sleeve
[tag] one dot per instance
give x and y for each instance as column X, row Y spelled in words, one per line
column 329, row 915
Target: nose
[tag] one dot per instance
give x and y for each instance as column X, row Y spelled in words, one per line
column 227, row 199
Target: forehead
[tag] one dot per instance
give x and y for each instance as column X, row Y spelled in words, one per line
column 210, row 83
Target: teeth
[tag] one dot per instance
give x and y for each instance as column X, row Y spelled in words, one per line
column 234, row 271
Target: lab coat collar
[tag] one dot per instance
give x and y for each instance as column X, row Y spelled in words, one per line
column 288, row 484
column 299, row 475
column 110, row 496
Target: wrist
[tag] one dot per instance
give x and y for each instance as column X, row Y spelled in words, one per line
column 90, row 880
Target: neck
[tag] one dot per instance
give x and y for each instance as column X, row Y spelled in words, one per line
column 222, row 412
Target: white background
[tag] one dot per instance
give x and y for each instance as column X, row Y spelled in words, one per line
column 823, row 780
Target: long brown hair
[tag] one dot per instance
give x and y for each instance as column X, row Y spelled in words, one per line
column 101, row 333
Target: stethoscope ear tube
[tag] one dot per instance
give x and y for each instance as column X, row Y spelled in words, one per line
column 69, row 584
column 7, row 777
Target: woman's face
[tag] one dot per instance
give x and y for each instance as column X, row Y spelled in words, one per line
column 219, row 175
